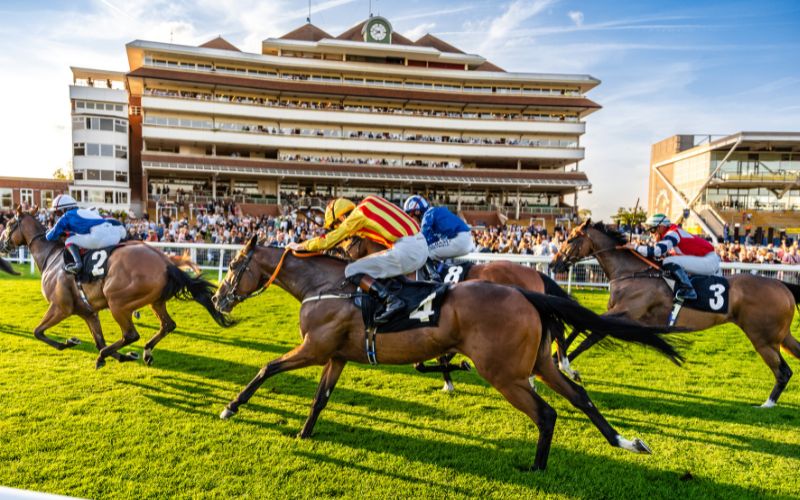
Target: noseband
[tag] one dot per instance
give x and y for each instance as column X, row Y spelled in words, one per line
column 245, row 267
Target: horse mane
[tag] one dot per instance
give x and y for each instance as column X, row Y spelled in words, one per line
column 614, row 234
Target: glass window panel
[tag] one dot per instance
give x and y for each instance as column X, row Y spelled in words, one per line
column 78, row 149
column 92, row 149
column 107, row 175
column 106, row 150
column 6, row 198
column 106, row 124
column 93, row 175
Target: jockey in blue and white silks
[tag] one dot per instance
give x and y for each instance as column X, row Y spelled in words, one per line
column 84, row 229
column 447, row 235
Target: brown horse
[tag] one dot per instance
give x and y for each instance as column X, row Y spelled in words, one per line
column 5, row 266
column 138, row 275
column 500, row 272
column 333, row 333
column 762, row 307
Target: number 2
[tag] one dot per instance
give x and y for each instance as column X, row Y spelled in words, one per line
column 100, row 256
column 717, row 301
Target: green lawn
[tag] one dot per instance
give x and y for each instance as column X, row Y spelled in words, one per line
column 129, row 430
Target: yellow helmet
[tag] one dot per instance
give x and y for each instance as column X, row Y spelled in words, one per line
column 337, row 208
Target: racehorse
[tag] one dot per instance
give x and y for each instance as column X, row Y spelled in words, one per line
column 762, row 307
column 138, row 275
column 472, row 312
column 500, row 272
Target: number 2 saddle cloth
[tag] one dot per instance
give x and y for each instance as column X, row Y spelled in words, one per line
column 423, row 305
column 95, row 263
column 712, row 294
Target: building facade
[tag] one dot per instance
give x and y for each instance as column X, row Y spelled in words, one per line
column 100, row 139
column 749, row 181
column 315, row 116
column 29, row 192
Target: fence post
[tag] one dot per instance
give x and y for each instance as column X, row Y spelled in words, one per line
column 221, row 266
column 569, row 280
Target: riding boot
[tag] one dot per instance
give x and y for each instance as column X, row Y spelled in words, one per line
column 392, row 303
column 432, row 270
column 684, row 290
column 76, row 265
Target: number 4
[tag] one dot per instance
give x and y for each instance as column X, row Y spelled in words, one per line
column 425, row 310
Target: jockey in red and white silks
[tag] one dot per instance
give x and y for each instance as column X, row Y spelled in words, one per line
column 681, row 252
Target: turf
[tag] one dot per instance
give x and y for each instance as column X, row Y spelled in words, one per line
column 130, row 430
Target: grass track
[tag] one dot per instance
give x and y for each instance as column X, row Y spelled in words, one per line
column 130, row 430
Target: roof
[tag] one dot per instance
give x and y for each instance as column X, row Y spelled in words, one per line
column 355, row 34
column 220, row 43
column 487, row 66
column 437, row 43
column 307, row 33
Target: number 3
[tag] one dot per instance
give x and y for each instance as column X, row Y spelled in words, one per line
column 717, row 301
column 100, row 256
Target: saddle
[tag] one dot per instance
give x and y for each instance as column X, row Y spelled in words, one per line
column 712, row 295
column 95, row 263
column 450, row 273
column 423, row 305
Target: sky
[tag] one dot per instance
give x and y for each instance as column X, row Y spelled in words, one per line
column 667, row 67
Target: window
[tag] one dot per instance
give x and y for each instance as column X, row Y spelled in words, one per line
column 122, row 198
column 107, row 175
column 121, row 176
column 108, row 197
column 121, row 152
column 6, row 198
column 106, row 124
column 96, row 196
column 106, row 150
column 79, row 175
column 26, row 197
column 120, row 126
column 78, row 123
column 92, row 175
column 46, row 196
column 79, row 149
column 92, row 149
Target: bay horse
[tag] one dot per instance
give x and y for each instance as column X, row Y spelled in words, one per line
column 500, row 272
column 138, row 275
column 762, row 307
column 499, row 328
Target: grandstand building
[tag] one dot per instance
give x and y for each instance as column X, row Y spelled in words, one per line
column 99, row 104
column 748, row 182
column 315, row 115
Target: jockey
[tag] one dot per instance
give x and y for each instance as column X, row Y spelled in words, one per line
column 691, row 254
column 447, row 235
column 381, row 221
column 84, row 229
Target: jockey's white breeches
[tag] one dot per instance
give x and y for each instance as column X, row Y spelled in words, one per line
column 707, row 265
column 99, row 236
column 449, row 248
column 406, row 256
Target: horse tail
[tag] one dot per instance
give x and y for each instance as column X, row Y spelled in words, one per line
column 795, row 290
column 560, row 310
column 790, row 344
column 183, row 286
column 553, row 288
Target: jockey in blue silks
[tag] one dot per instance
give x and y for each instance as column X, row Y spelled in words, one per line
column 447, row 235
column 84, row 229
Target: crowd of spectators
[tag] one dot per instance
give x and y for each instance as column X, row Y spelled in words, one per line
column 222, row 222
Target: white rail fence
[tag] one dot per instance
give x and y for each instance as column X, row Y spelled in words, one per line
column 585, row 274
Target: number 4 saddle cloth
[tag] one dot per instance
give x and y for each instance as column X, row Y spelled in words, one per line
column 423, row 305
column 712, row 294
column 95, row 263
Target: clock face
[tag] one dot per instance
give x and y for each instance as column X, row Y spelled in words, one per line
column 378, row 32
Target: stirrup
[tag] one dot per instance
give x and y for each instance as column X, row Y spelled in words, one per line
column 73, row 269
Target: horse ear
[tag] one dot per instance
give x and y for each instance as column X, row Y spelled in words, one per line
column 251, row 243
column 19, row 210
column 35, row 210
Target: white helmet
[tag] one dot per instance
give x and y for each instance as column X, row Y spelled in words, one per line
column 64, row 202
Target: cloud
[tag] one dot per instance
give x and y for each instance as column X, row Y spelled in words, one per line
column 515, row 14
column 576, row 16
column 432, row 13
column 418, row 31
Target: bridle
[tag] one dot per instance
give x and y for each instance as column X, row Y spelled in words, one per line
column 580, row 233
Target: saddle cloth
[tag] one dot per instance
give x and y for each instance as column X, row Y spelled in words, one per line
column 712, row 294
column 451, row 273
column 423, row 305
column 95, row 263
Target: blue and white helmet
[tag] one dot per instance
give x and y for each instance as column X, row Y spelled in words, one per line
column 414, row 203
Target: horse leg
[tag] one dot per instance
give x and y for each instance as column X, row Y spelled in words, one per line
column 772, row 357
column 563, row 358
column 129, row 336
column 93, row 322
column 52, row 317
column 330, row 375
column 577, row 396
column 167, row 326
column 299, row 357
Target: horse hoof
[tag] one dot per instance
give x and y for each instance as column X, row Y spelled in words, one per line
column 133, row 356
column 466, row 366
column 448, row 388
column 226, row 414
column 577, row 377
column 768, row 404
column 73, row 341
column 148, row 358
column 641, row 447
column 99, row 364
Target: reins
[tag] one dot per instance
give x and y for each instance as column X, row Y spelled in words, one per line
column 273, row 276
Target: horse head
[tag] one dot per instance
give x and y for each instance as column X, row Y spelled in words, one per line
column 243, row 279
column 586, row 240
column 13, row 236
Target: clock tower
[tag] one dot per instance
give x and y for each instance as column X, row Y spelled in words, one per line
column 377, row 30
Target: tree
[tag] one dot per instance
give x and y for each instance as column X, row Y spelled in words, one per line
column 629, row 216
column 63, row 173
column 584, row 213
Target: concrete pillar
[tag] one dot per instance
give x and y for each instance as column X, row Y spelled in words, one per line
column 214, row 186
column 518, row 203
column 458, row 202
